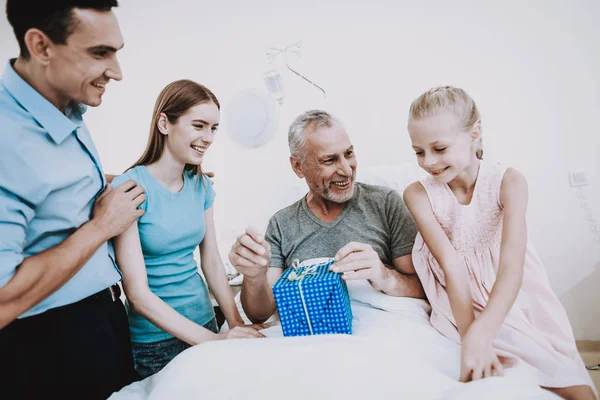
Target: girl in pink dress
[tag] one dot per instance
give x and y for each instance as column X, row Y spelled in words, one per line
column 487, row 287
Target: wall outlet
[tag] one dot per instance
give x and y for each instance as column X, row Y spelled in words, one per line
column 577, row 178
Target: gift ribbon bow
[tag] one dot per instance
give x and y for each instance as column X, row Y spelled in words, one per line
column 298, row 274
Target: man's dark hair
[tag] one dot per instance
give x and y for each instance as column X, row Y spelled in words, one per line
column 53, row 17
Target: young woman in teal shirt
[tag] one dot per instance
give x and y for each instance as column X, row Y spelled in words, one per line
column 169, row 306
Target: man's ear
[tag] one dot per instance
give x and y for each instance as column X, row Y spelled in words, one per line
column 39, row 45
column 296, row 166
column 162, row 124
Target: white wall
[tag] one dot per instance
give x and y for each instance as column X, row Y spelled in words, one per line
column 533, row 68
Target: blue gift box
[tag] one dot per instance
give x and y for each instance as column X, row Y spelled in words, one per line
column 312, row 300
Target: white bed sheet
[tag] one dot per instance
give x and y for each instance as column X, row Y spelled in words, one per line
column 393, row 353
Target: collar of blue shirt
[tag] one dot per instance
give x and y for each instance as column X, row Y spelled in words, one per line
column 57, row 124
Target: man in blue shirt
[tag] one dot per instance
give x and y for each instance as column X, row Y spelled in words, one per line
column 63, row 330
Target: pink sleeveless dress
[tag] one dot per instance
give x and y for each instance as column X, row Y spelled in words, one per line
column 537, row 329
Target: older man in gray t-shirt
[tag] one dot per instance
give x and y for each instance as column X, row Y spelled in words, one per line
column 374, row 215
column 367, row 229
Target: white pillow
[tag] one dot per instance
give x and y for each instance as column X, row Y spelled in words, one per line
column 396, row 177
column 362, row 292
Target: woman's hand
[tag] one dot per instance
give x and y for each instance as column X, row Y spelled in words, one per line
column 258, row 327
column 478, row 357
column 241, row 332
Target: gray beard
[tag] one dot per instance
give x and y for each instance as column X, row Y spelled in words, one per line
column 339, row 198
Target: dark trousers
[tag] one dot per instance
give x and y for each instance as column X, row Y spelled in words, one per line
column 78, row 351
column 149, row 358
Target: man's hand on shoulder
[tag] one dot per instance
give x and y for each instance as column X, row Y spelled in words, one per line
column 116, row 209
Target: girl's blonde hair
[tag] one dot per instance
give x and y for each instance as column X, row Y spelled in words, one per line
column 447, row 98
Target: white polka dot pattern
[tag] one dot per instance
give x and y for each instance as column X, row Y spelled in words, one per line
column 327, row 302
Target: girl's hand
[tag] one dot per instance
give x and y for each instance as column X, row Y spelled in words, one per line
column 240, row 332
column 478, row 357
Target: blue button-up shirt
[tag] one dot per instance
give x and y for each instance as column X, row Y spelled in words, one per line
column 50, row 175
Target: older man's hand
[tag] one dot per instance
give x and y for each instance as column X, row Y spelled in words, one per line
column 250, row 254
column 359, row 261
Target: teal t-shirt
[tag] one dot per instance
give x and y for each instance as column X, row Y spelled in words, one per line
column 171, row 228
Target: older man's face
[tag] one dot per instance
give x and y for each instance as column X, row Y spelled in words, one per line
column 330, row 164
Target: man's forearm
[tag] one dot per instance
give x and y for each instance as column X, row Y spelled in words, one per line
column 402, row 285
column 257, row 299
column 41, row 275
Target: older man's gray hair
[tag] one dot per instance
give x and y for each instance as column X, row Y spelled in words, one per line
column 312, row 119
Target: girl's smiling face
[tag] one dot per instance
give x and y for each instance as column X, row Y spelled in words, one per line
column 443, row 148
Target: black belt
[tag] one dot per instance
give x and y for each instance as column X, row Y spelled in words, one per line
column 108, row 295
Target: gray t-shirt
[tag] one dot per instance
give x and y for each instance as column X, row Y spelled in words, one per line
column 375, row 215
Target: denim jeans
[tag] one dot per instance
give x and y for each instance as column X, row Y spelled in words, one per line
column 149, row 358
